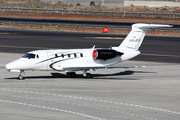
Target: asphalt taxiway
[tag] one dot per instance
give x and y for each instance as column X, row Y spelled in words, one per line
column 150, row 93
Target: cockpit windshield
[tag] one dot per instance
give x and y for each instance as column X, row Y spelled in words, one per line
column 29, row 56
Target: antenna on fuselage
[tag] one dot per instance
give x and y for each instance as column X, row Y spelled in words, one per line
column 111, row 47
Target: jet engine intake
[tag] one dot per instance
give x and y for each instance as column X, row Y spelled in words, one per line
column 105, row 54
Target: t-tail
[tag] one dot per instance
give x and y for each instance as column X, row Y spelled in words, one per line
column 133, row 41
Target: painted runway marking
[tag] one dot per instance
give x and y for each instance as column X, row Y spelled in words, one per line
column 105, row 101
column 68, row 103
column 140, row 90
column 56, row 109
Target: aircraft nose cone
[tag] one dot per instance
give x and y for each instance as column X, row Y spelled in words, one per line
column 11, row 66
column 18, row 64
column 8, row 66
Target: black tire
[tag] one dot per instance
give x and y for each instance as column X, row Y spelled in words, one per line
column 72, row 74
column 68, row 73
column 88, row 75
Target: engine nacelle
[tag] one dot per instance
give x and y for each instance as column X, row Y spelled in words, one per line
column 105, row 54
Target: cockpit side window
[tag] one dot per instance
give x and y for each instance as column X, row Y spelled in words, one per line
column 29, row 56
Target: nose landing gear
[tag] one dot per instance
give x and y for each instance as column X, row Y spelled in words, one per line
column 20, row 77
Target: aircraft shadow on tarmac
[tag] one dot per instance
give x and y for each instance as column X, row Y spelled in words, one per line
column 95, row 76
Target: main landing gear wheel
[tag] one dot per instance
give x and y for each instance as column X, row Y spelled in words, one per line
column 20, row 77
column 88, row 75
column 71, row 74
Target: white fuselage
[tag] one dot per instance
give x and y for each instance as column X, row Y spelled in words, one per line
column 60, row 58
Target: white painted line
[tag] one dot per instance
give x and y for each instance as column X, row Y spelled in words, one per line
column 105, row 101
column 45, row 107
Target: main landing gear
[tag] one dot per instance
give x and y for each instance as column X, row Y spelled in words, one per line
column 71, row 74
column 88, row 75
column 20, row 77
column 85, row 74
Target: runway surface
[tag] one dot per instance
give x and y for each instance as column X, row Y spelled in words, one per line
column 150, row 93
column 154, row 48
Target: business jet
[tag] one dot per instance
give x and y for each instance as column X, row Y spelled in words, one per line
column 72, row 60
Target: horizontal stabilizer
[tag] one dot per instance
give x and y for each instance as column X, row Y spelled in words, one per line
column 135, row 38
column 148, row 26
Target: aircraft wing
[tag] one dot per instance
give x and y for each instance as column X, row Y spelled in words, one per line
column 99, row 67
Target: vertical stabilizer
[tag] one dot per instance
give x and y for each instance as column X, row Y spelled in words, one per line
column 135, row 38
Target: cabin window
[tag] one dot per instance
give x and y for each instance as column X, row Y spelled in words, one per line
column 37, row 56
column 69, row 55
column 81, row 55
column 29, row 56
column 62, row 55
column 75, row 55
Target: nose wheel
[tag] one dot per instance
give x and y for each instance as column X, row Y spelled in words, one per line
column 20, row 77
